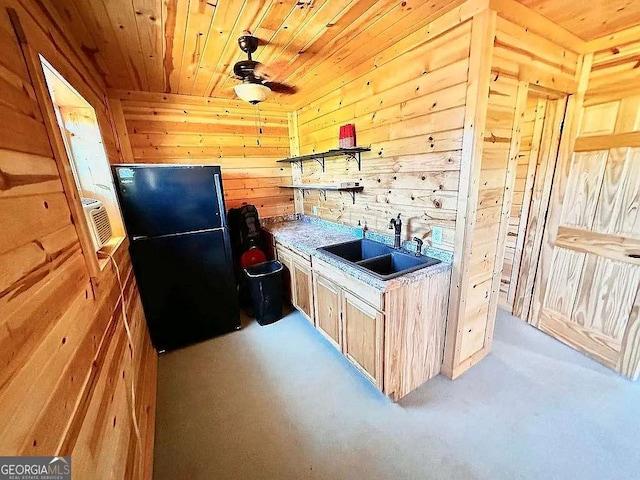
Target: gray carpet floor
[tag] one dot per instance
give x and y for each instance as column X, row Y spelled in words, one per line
column 279, row 402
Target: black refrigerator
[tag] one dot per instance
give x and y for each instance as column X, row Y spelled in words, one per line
column 180, row 250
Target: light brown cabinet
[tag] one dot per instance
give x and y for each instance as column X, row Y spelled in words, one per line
column 394, row 337
column 298, row 280
column 349, row 320
column 302, row 288
column 287, row 280
column 363, row 328
column 328, row 309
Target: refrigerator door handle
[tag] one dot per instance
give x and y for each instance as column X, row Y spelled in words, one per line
column 179, row 234
column 223, row 214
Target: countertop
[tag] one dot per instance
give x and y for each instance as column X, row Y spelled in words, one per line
column 308, row 234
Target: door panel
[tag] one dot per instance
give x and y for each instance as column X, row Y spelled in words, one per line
column 534, row 209
column 161, row 200
column 327, row 309
column 362, row 342
column 303, row 289
column 583, row 189
column 587, row 289
column 187, row 287
column 606, row 294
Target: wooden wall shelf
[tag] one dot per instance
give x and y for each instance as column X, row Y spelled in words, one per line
column 350, row 153
column 323, row 189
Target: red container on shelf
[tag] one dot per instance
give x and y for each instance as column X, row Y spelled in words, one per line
column 347, row 136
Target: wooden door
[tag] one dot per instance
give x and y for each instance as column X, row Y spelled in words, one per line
column 587, row 287
column 326, row 299
column 540, row 168
column 363, row 336
column 303, row 288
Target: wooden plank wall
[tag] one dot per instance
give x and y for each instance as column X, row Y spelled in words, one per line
column 519, row 57
column 409, row 107
column 64, row 385
column 244, row 140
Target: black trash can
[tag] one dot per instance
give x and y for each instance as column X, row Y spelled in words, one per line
column 265, row 286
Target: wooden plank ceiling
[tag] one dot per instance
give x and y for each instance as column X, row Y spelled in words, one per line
column 589, row 19
column 189, row 46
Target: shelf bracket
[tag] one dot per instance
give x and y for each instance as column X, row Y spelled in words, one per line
column 299, row 163
column 321, row 162
column 353, row 195
column 355, row 156
column 324, row 194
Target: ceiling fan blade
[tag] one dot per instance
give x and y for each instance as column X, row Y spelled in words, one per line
column 282, row 88
column 270, row 72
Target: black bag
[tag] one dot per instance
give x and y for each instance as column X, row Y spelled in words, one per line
column 244, row 226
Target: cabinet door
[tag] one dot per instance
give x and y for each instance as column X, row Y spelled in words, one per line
column 327, row 306
column 287, row 280
column 362, row 337
column 303, row 289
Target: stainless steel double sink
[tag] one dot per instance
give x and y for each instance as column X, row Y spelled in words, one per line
column 378, row 259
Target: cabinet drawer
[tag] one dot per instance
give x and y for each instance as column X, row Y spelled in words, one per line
column 370, row 295
column 305, row 257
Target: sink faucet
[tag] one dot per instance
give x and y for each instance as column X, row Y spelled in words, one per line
column 396, row 224
column 419, row 243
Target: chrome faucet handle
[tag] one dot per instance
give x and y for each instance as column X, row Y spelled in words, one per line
column 419, row 243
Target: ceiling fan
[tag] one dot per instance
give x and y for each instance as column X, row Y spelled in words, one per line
column 258, row 80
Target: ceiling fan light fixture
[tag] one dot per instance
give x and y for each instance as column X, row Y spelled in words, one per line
column 253, row 93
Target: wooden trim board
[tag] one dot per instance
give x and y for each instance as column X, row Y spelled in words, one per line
column 482, row 35
column 507, row 201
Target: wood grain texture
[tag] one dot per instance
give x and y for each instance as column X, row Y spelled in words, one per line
column 510, row 186
column 245, row 141
column 590, row 276
column 415, row 324
column 285, row 257
column 539, row 203
column 58, row 327
column 600, row 19
column 477, row 103
column 531, row 137
column 613, row 247
column 363, row 338
column 303, row 288
column 328, row 307
column 629, row 360
column 199, row 47
column 411, row 118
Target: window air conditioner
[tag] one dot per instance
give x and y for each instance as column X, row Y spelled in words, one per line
column 98, row 221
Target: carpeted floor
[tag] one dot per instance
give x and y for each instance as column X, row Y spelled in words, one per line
column 279, row 402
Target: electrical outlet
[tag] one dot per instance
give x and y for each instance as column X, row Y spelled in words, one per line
column 436, row 235
column 314, row 209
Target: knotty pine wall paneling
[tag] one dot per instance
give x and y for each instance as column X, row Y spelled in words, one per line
column 517, row 58
column 410, row 110
column 66, row 374
column 411, row 105
column 246, row 141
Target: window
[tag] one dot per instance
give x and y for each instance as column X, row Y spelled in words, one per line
column 89, row 164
